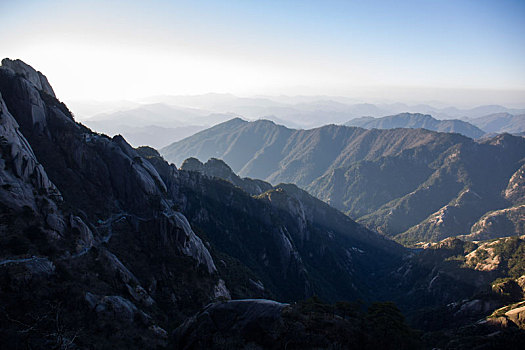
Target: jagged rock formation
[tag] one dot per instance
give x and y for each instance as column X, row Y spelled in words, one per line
column 411, row 184
column 38, row 79
column 76, row 206
column 217, row 168
column 417, row 121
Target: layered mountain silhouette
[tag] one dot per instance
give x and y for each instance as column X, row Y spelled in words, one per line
column 412, row 184
column 315, row 111
column 500, row 123
column 156, row 124
column 417, row 121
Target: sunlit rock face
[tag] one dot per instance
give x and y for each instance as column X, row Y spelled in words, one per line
column 515, row 191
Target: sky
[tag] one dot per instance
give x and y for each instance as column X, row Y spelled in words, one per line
column 469, row 52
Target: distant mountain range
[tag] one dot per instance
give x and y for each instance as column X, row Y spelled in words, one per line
column 150, row 135
column 498, row 123
column 159, row 121
column 314, row 111
column 416, row 121
column 155, row 125
column 412, row 184
column 294, row 112
column 488, row 125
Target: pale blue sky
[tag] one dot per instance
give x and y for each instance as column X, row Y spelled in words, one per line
column 142, row 48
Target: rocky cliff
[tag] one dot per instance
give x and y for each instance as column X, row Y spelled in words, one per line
column 89, row 236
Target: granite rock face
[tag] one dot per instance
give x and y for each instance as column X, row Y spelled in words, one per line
column 515, row 191
column 87, row 229
column 26, row 172
column 509, row 316
column 109, row 171
column 36, row 78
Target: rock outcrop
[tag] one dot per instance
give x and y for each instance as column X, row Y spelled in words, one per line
column 515, row 191
column 36, row 78
column 509, row 316
column 217, row 168
column 499, row 223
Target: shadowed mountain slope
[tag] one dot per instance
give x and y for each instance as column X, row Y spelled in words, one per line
column 297, row 244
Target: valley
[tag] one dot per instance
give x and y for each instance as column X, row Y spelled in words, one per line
column 106, row 245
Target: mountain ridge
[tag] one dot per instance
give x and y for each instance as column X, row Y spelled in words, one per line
column 353, row 169
column 501, row 123
column 416, row 121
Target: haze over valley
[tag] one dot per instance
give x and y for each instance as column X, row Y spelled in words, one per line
column 152, row 121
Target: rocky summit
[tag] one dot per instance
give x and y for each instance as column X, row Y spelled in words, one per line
column 104, row 246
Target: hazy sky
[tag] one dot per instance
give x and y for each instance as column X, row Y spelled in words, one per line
column 393, row 49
